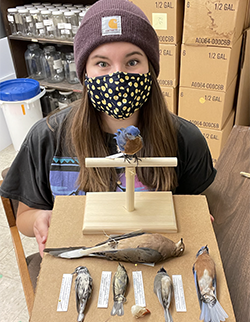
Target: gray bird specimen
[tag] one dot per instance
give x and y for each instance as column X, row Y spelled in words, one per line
column 120, row 282
column 163, row 288
column 83, row 289
column 135, row 247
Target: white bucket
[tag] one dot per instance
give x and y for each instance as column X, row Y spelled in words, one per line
column 20, row 116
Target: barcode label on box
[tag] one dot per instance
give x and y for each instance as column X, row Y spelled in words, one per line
column 63, row 301
column 103, row 299
column 179, row 296
column 139, row 288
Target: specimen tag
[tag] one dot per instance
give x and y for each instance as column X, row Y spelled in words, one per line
column 63, row 301
column 139, row 288
column 103, row 299
column 179, row 296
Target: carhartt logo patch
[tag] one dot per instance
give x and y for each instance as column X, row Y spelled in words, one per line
column 111, row 25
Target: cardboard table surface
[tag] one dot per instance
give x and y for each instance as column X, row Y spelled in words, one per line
column 194, row 226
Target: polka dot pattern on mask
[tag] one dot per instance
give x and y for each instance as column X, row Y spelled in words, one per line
column 119, row 94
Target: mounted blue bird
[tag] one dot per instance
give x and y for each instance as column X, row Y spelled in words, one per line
column 129, row 140
column 205, row 282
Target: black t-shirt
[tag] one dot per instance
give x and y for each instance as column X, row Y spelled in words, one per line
column 41, row 171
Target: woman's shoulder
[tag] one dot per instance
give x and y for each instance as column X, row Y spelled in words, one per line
column 190, row 139
column 47, row 127
column 188, row 132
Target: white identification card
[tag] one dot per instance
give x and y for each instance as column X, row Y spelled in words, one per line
column 179, row 296
column 103, row 299
column 63, row 301
column 139, row 288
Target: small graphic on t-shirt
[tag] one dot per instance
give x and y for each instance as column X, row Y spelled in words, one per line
column 63, row 176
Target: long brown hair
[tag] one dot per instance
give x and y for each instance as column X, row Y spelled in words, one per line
column 157, row 129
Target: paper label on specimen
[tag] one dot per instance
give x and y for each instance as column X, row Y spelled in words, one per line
column 103, row 299
column 139, row 288
column 179, row 296
column 63, row 301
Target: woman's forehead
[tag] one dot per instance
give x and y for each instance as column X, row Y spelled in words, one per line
column 116, row 48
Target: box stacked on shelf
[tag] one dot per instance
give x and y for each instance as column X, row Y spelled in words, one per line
column 210, row 52
column 167, row 18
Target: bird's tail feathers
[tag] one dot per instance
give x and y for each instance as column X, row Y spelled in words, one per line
column 214, row 313
column 117, row 309
column 80, row 317
column 167, row 315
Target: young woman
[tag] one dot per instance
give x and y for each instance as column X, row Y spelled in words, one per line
column 117, row 60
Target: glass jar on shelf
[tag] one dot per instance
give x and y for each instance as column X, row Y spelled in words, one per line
column 59, row 22
column 38, row 27
column 49, row 7
column 11, row 16
column 25, row 23
column 40, row 7
column 48, row 102
column 71, row 25
column 80, row 17
column 20, row 7
column 65, row 98
column 48, row 24
column 80, row 6
column 29, row 7
column 70, row 69
column 77, row 12
column 34, row 62
column 53, row 65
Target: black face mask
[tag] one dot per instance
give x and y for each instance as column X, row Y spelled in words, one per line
column 119, row 94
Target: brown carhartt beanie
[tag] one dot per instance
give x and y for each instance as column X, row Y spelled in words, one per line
column 114, row 20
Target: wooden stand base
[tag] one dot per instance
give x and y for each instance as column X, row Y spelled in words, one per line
column 106, row 212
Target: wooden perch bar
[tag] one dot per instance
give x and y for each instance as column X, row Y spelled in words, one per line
column 120, row 162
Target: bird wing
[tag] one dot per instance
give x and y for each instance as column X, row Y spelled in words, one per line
column 197, row 285
column 159, row 295
column 120, row 139
column 132, row 255
column 77, row 252
column 133, row 146
column 214, row 282
column 77, row 296
column 74, row 252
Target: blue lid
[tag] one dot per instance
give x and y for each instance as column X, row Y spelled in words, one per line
column 19, row 89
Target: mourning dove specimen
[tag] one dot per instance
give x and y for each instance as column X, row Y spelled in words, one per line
column 135, row 247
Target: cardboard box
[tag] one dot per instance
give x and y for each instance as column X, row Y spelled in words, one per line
column 247, row 17
column 171, row 96
column 211, row 68
column 216, row 139
column 166, row 17
column 243, row 101
column 169, row 65
column 205, row 108
column 213, row 23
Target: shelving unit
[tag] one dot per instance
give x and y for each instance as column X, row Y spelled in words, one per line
column 18, row 44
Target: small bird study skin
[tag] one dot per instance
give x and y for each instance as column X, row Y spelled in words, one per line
column 205, row 282
column 134, row 247
column 129, row 141
column 120, row 282
column 83, row 289
column 163, row 288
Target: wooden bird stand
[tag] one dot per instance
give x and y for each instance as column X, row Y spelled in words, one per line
column 118, row 212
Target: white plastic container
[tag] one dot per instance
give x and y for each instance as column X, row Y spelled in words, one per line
column 20, row 102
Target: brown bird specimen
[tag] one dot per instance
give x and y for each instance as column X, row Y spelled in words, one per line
column 134, row 247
